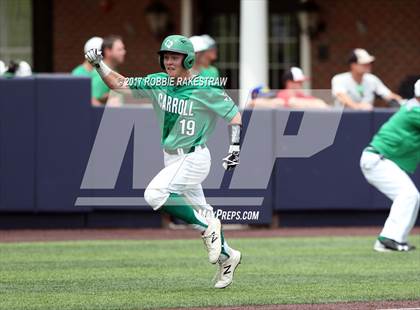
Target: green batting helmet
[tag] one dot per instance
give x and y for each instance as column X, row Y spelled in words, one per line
column 178, row 44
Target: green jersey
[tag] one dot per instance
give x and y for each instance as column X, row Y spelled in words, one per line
column 186, row 113
column 210, row 71
column 99, row 88
column 399, row 138
column 80, row 70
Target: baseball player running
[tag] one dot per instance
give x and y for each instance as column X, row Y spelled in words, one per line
column 393, row 152
column 186, row 113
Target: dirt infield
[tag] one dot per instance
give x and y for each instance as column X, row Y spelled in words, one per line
column 156, row 234
column 400, row 305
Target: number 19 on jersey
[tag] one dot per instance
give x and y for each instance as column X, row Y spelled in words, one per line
column 187, row 127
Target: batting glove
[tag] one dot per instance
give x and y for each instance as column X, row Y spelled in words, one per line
column 94, row 57
column 232, row 159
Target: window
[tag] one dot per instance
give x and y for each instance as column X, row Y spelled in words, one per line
column 16, row 30
column 221, row 20
column 283, row 46
column 226, row 33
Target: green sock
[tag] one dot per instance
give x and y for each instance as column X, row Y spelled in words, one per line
column 225, row 247
column 177, row 207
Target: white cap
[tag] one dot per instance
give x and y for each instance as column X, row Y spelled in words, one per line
column 199, row 44
column 3, row 67
column 294, row 74
column 94, row 42
column 361, row 56
column 210, row 42
column 24, row 69
column 417, row 89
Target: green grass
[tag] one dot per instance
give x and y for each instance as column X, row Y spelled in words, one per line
column 175, row 273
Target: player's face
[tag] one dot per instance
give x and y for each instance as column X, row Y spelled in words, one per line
column 173, row 64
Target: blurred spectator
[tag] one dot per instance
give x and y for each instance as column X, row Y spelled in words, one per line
column 292, row 96
column 209, row 56
column 357, row 88
column 199, row 47
column 24, row 69
column 211, row 47
column 86, row 69
column 203, row 57
column 262, row 91
column 3, row 67
column 16, row 69
column 113, row 51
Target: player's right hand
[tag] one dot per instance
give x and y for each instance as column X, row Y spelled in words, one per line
column 232, row 159
column 94, row 57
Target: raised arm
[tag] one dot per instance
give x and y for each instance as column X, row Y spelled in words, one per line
column 114, row 80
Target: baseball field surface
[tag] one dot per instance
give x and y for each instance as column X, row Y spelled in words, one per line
column 290, row 272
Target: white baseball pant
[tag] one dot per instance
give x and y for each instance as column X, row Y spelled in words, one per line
column 183, row 174
column 393, row 182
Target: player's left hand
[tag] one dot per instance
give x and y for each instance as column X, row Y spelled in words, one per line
column 232, row 159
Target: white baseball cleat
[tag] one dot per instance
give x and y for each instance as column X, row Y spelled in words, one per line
column 379, row 247
column 227, row 269
column 383, row 244
column 212, row 239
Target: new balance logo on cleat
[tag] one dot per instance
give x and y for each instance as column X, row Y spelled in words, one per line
column 213, row 237
column 210, row 236
column 227, row 269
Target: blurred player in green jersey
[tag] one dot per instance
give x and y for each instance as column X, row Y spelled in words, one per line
column 393, row 153
column 205, row 54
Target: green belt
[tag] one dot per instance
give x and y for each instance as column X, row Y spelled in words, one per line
column 187, row 150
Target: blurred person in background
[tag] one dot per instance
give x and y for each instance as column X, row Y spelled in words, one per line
column 199, row 47
column 394, row 153
column 113, row 51
column 292, row 96
column 3, row 68
column 358, row 88
column 86, row 69
column 209, row 57
column 16, row 69
column 204, row 49
column 24, row 69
